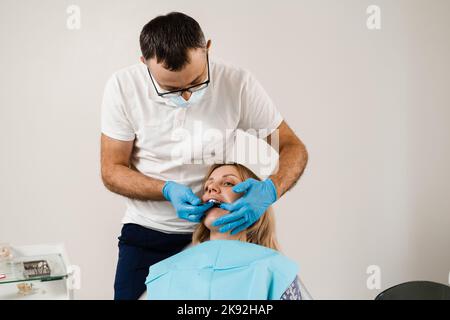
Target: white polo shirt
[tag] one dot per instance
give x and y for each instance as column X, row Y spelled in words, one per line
column 178, row 143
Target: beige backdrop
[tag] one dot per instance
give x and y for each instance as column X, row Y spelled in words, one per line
column 372, row 106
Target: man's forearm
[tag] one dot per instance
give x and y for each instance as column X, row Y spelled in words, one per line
column 132, row 184
column 292, row 162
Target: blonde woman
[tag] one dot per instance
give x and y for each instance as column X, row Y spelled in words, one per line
column 221, row 265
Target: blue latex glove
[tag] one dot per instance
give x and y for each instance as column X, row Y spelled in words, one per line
column 245, row 211
column 185, row 202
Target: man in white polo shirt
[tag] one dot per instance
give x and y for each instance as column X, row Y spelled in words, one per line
column 164, row 122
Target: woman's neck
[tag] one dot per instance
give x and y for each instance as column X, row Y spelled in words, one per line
column 216, row 235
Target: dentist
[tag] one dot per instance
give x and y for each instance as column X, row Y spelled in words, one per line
column 168, row 103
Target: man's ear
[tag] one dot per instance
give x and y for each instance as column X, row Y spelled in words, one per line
column 143, row 60
column 208, row 44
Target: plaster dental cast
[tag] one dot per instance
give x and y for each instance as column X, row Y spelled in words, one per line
column 177, row 84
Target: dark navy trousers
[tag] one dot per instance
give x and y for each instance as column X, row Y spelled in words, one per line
column 139, row 248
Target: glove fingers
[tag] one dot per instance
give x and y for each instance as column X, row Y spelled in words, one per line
column 188, row 209
column 192, row 198
column 243, row 186
column 231, row 217
column 232, row 225
column 194, row 218
column 241, row 228
column 191, row 216
column 232, row 206
column 204, row 207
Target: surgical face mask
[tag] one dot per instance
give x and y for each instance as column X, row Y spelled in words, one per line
column 195, row 97
column 176, row 99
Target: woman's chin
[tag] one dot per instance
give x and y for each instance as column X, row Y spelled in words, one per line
column 211, row 215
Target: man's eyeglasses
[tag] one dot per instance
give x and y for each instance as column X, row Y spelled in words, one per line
column 191, row 89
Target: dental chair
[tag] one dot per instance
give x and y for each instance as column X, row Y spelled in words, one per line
column 416, row 290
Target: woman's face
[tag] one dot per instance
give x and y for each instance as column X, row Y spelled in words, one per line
column 218, row 187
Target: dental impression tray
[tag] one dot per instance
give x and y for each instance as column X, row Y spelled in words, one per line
column 215, row 202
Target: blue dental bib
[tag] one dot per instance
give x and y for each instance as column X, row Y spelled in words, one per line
column 222, row 270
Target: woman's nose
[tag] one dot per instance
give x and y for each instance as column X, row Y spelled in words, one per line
column 213, row 188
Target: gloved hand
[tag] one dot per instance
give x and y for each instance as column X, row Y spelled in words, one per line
column 245, row 211
column 185, row 202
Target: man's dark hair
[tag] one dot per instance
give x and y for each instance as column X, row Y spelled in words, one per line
column 169, row 38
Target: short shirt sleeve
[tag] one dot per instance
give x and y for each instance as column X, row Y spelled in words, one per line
column 259, row 116
column 114, row 120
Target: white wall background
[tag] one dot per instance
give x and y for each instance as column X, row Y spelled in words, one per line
column 373, row 108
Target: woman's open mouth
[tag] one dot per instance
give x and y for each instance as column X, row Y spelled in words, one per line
column 215, row 201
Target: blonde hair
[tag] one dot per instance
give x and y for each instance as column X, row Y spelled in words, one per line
column 262, row 232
